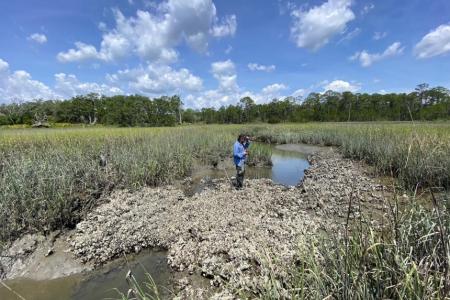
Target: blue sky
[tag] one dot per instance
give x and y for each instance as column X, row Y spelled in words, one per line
column 212, row 53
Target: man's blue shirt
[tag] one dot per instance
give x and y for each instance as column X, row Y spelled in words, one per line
column 238, row 154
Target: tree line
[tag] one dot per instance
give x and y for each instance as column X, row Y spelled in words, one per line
column 93, row 109
column 424, row 103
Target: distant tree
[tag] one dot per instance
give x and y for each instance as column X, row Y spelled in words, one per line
column 247, row 105
column 190, row 116
column 424, row 103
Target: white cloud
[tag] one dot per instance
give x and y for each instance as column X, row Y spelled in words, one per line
column 19, row 85
column 152, row 80
column 69, row 86
column 274, row 88
column 379, row 35
column 150, row 4
column 341, row 86
column 223, row 67
column 436, row 42
column 228, row 91
column 367, row 59
column 285, row 6
column 258, row 67
column 4, row 66
column 82, row 53
column 351, row 35
column 367, row 8
column 154, row 36
column 102, row 26
column 314, row 28
column 38, row 38
column 156, row 80
column 268, row 93
column 226, row 27
column 225, row 73
column 299, row 93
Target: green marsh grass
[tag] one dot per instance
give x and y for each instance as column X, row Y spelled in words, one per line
column 147, row 290
column 50, row 178
column 418, row 154
column 408, row 258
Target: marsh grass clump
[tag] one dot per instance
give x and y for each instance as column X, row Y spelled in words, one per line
column 147, row 290
column 258, row 154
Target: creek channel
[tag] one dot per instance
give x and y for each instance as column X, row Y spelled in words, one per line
column 289, row 162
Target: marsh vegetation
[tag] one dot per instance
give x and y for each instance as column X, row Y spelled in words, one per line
column 52, row 178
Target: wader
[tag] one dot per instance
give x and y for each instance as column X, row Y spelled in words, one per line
column 240, row 171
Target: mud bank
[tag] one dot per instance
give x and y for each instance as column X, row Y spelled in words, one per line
column 39, row 257
column 230, row 237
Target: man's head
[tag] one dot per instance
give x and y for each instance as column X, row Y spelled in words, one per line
column 241, row 138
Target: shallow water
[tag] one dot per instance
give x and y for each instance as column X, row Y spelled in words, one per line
column 96, row 285
column 289, row 163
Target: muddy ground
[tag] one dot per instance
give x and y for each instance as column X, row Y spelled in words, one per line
column 229, row 237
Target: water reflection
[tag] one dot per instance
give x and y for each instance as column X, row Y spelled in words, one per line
column 288, row 167
column 289, row 163
column 105, row 283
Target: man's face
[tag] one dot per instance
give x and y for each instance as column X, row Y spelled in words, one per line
column 242, row 139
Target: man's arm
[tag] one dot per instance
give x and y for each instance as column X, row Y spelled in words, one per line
column 247, row 142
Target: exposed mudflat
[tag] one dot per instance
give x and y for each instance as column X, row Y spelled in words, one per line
column 37, row 257
column 230, row 237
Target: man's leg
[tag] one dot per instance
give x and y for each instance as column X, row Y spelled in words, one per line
column 238, row 177
column 240, row 171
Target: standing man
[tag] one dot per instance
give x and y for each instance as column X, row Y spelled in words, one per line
column 239, row 156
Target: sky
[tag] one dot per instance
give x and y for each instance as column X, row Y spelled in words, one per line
column 213, row 53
